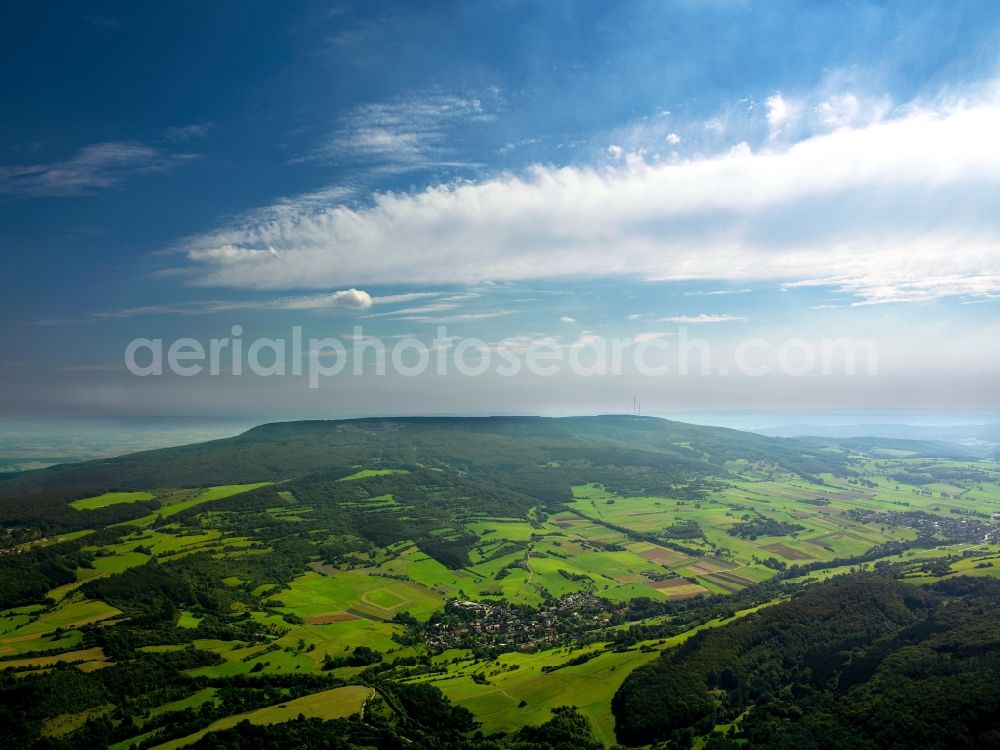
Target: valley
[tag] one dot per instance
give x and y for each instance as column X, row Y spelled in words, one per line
column 495, row 569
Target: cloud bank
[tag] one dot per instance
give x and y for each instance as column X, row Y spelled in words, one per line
column 901, row 208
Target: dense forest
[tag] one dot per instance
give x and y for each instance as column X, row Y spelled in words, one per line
column 861, row 663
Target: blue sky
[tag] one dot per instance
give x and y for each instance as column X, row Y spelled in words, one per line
column 571, row 172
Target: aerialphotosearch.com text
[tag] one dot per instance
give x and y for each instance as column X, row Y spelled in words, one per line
column 658, row 354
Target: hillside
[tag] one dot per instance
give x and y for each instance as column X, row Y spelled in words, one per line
column 508, row 449
column 858, row 663
column 492, row 584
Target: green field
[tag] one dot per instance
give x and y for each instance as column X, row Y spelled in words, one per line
column 365, row 473
column 110, row 498
column 330, row 704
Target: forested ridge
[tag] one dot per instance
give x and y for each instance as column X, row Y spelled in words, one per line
column 633, row 454
column 864, row 662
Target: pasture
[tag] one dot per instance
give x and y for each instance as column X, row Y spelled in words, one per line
column 111, row 498
column 329, row 704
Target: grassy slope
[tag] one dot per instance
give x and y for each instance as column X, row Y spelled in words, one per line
column 329, row 704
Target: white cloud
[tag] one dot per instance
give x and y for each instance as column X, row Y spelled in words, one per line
column 407, row 132
column 456, row 318
column 717, row 292
column 780, row 112
column 673, row 139
column 388, row 299
column 838, row 109
column 646, row 336
column 100, row 165
column 347, row 299
column 913, row 290
column 897, row 209
column 443, row 303
column 434, row 307
column 567, row 319
column 186, row 133
column 702, row 319
column 840, row 101
column 587, row 338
